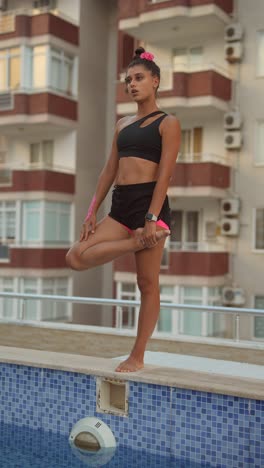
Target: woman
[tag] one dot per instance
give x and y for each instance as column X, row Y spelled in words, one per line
column 141, row 162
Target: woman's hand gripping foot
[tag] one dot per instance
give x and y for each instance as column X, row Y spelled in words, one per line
column 144, row 242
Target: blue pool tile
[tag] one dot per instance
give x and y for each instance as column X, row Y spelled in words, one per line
column 212, row 429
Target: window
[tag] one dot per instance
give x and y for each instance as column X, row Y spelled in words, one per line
column 46, row 310
column 184, row 230
column 31, row 222
column 191, row 321
column 259, row 229
column 46, row 222
column 259, row 321
column 216, row 321
column 259, row 152
column 32, row 307
column 39, row 66
column 8, row 307
column 260, row 53
column 52, row 68
column 10, row 68
column 57, row 222
column 187, row 57
column 191, row 145
column 165, row 317
column 61, row 71
column 52, row 310
column 41, row 154
column 126, row 316
column 7, row 221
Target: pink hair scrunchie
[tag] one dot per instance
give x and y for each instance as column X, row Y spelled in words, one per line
column 147, row 56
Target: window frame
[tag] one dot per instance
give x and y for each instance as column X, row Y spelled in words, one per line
column 7, row 57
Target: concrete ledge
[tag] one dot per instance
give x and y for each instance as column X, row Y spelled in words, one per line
column 96, row 342
column 193, row 380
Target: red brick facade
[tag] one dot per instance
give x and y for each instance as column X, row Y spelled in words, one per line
column 205, row 174
column 49, row 181
column 36, row 258
column 43, row 103
column 189, row 85
column 46, row 23
column 184, row 264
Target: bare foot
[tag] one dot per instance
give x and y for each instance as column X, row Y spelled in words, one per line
column 161, row 234
column 130, row 365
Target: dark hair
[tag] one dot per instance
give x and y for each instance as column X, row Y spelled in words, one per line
column 148, row 64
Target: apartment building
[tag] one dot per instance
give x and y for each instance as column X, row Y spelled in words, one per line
column 211, row 54
column 39, row 48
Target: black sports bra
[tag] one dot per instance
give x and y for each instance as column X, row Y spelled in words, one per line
column 141, row 142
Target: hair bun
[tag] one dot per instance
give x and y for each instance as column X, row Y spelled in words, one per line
column 138, row 52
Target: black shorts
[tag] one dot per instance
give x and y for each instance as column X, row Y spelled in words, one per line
column 130, row 203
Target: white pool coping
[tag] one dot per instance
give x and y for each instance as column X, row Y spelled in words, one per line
column 181, row 371
column 208, row 365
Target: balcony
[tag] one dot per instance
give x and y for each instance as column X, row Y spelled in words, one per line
column 205, row 90
column 200, row 179
column 185, row 263
column 28, row 179
column 31, row 23
column 46, row 110
column 171, row 20
column 26, row 257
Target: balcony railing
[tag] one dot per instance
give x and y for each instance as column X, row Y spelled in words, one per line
column 121, row 306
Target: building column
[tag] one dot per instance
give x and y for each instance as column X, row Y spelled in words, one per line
column 97, row 75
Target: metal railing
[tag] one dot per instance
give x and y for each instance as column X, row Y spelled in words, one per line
column 237, row 312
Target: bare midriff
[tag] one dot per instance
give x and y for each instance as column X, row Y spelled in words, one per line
column 134, row 170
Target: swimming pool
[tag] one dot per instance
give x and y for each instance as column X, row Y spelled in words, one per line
column 24, row 447
column 165, row 426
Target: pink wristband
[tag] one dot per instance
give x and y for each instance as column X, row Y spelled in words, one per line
column 90, row 209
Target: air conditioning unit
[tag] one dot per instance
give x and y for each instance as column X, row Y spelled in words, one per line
column 233, row 140
column 233, row 32
column 233, row 52
column 230, row 206
column 232, row 120
column 229, row 227
column 6, row 101
column 233, row 296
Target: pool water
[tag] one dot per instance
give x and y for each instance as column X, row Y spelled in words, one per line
column 22, row 447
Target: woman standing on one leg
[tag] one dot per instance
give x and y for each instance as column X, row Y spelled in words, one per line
column 141, row 162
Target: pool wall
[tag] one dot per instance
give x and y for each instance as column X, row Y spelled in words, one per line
column 221, row 430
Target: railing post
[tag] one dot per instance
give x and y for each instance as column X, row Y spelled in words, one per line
column 237, row 327
column 23, row 309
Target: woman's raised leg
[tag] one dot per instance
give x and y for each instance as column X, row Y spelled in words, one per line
column 109, row 241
